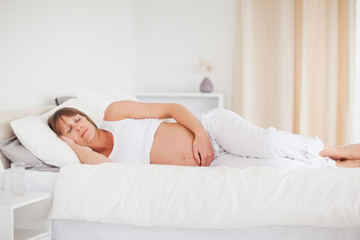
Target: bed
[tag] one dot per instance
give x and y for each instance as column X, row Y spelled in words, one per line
column 288, row 210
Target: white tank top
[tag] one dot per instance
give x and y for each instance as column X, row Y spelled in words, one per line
column 133, row 139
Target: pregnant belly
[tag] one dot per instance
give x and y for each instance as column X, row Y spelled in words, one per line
column 173, row 145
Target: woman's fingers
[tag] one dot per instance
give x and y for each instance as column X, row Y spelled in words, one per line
column 206, row 158
column 203, row 151
column 196, row 155
column 67, row 140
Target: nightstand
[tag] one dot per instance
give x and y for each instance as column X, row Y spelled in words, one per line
column 25, row 217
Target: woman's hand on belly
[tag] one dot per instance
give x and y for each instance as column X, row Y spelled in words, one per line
column 203, row 150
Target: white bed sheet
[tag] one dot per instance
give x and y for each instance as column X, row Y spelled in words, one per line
column 78, row 230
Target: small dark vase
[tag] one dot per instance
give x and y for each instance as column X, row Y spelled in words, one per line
column 206, row 85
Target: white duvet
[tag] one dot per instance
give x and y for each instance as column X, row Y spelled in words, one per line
column 207, row 198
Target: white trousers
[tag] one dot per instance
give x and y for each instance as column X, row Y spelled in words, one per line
column 240, row 143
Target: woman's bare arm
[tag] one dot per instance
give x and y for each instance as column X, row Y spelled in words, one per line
column 85, row 155
column 202, row 147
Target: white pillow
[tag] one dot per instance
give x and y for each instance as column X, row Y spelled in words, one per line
column 98, row 100
column 35, row 134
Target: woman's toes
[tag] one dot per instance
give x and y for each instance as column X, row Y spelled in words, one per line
column 348, row 163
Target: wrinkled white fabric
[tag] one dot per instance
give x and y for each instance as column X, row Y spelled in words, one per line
column 207, row 198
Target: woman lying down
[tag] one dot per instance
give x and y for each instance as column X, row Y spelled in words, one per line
column 136, row 132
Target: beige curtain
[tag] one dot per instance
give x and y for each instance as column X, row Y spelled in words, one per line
column 293, row 65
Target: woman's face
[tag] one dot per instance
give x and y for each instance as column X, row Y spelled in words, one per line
column 78, row 128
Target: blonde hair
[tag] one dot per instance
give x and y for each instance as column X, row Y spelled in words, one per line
column 53, row 120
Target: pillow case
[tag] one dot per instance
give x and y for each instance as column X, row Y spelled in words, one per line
column 16, row 152
column 35, row 134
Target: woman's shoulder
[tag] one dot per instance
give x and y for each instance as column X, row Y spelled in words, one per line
column 117, row 111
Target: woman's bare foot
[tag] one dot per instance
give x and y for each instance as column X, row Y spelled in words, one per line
column 348, row 163
column 353, row 151
column 348, row 152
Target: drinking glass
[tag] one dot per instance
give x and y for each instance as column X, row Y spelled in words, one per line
column 17, row 173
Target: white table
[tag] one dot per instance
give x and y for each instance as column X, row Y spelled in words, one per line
column 25, row 217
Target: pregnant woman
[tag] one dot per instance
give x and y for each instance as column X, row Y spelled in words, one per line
column 136, row 132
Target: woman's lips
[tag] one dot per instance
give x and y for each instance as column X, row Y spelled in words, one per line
column 84, row 133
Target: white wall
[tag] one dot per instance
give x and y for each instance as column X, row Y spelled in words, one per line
column 172, row 35
column 53, row 48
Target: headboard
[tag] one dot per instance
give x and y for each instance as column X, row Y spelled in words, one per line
column 5, row 129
